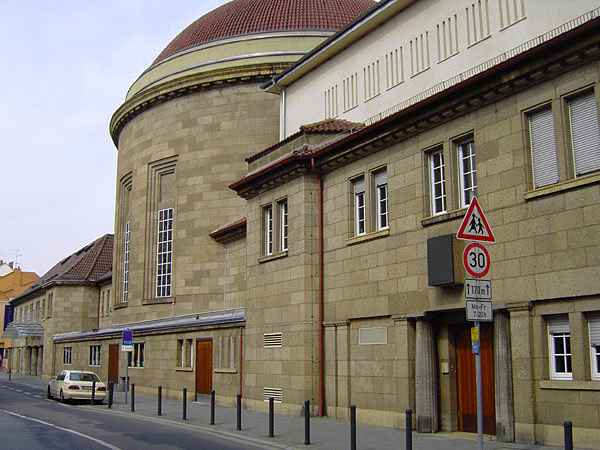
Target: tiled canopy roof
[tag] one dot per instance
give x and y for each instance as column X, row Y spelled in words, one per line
column 90, row 263
column 240, row 17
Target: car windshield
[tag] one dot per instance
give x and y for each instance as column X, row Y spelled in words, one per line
column 80, row 376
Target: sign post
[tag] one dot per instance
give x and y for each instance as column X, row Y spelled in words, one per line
column 127, row 346
column 478, row 292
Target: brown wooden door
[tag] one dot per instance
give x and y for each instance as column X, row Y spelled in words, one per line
column 113, row 363
column 467, row 389
column 203, row 366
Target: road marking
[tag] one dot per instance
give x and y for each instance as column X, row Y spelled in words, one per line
column 97, row 441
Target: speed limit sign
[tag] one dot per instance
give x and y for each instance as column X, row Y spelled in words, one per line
column 476, row 260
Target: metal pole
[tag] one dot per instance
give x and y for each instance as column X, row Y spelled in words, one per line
column 160, row 400
column 479, row 389
column 306, row 422
column 568, row 428
column 352, row 427
column 271, row 417
column 111, row 388
column 212, row 407
column 184, row 403
column 9, row 373
column 127, row 376
column 408, row 429
column 133, row 397
column 239, row 412
column 93, row 391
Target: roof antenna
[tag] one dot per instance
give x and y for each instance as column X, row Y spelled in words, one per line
column 17, row 254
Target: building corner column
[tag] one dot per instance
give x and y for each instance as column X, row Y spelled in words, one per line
column 505, row 415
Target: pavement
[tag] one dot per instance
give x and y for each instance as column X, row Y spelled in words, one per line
column 325, row 433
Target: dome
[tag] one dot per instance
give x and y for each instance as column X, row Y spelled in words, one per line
column 241, row 17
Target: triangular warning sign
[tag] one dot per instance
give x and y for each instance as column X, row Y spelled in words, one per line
column 474, row 226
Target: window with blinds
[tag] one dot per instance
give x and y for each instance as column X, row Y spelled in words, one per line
column 559, row 347
column 543, row 147
column 585, row 135
column 594, row 327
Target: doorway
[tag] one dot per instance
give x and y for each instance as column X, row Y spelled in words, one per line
column 203, row 366
column 466, row 375
column 113, row 363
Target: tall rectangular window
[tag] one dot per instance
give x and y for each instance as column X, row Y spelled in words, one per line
column 381, row 192
column 467, row 172
column 268, row 229
column 67, row 352
column 543, row 147
column 594, row 326
column 283, row 225
column 585, row 135
column 559, row 348
column 126, row 263
column 164, row 253
column 360, row 220
column 136, row 358
column 437, row 182
column 184, row 352
column 95, row 355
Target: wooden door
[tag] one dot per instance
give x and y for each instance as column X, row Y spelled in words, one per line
column 203, row 366
column 113, row 363
column 467, row 389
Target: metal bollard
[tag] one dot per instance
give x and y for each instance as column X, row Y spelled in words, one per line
column 212, row 407
column 93, row 392
column 352, row 427
column 239, row 412
column 184, row 403
column 160, row 400
column 111, row 389
column 271, row 417
column 9, row 373
column 306, row 422
column 568, row 427
column 132, row 397
column 408, row 429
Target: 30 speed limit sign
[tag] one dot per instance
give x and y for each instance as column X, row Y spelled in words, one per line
column 476, row 260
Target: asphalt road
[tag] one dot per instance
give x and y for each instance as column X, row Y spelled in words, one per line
column 29, row 421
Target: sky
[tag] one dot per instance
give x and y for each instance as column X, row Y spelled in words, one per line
column 66, row 68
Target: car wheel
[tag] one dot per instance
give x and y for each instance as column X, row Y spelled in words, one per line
column 62, row 396
column 49, row 394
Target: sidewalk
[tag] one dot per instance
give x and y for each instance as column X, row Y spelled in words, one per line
column 325, row 433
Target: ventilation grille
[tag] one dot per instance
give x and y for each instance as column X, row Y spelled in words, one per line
column 372, row 336
column 276, row 393
column 272, row 340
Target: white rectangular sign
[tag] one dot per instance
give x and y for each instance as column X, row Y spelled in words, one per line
column 478, row 311
column 126, row 348
column 478, row 289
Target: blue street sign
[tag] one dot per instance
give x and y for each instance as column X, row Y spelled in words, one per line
column 127, row 337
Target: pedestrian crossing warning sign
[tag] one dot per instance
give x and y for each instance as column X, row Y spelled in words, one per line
column 474, row 226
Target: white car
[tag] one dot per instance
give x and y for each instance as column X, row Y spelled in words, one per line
column 76, row 384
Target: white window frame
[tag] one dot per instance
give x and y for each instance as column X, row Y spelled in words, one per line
column 185, row 355
column 559, row 332
column 136, row 358
column 283, row 225
column 467, row 172
column 95, row 355
column 584, row 133
column 67, row 355
column 268, row 229
column 381, row 194
column 594, row 330
column 126, row 262
column 437, row 182
column 542, row 141
column 360, row 207
column 164, row 253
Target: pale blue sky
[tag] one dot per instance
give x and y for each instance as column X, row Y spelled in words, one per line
column 66, row 67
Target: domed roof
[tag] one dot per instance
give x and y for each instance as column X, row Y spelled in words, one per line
column 240, row 17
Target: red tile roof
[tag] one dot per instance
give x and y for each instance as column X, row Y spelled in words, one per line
column 88, row 264
column 240, row 17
